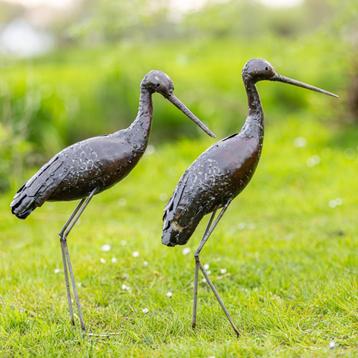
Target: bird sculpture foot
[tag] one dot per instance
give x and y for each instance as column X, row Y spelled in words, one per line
column 103, row 335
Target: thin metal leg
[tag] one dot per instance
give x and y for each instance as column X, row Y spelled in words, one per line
column 74, row 287
column 198, row 264
column 78, row 212
column 65, row 268
column 196, row 273
column 71, row 217
column 211, row 229
column 195, row 299
column 67, row 282
column 219, row 300
column 66, row 257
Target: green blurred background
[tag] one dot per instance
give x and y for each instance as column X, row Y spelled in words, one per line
column 71, row 69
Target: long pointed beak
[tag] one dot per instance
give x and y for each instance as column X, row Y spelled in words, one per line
column 293, row 82
column 177, row 103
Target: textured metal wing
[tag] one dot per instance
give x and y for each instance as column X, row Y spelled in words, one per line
column 204, row 187
column 218, row 175
column 39, row 188
column 95, row 163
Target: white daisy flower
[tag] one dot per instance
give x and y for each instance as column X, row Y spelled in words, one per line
column 106, row 247
column 313, row 161
column 333, row 203
column 300, row 142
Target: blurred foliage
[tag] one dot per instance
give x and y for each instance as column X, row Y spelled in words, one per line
column 77, row 94
column 110, row 20
column 13, row 149
column 90, row 84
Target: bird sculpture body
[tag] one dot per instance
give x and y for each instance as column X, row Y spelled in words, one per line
column 88, row 167
column 219, row 174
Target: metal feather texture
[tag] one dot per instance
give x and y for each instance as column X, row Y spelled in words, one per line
column 98, row 162
column 219, row 174
column 94, row 163
column 84, row 169
column 36, row 190
column 224, row 170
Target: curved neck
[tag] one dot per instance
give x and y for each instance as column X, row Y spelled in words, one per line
column 253, row 98
column 254, row 124
column 140, row 127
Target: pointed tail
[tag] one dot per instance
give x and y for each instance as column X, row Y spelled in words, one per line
column 22, row 205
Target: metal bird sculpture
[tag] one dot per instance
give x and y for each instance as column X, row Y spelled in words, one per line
column 88, row 167
column 219, row 174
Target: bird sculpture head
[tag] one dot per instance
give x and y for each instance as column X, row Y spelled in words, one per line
column 256, row 70
column 160, row 82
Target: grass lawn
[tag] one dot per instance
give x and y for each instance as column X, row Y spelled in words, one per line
column 288, row 244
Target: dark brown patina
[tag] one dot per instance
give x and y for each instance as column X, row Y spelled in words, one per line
column 99, row 162
column 93, row 165
column 219, row 174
